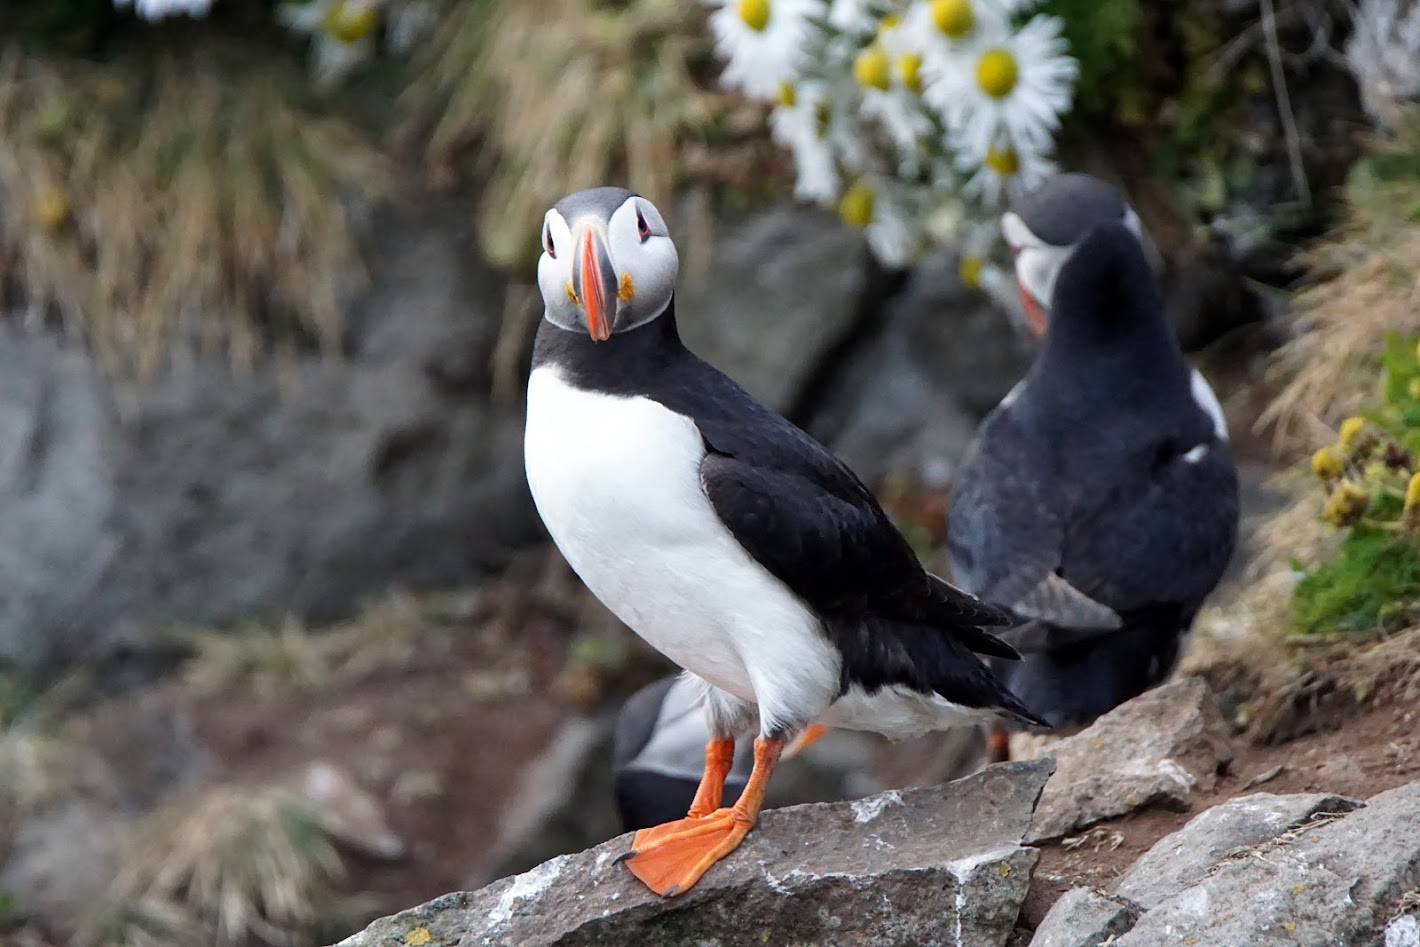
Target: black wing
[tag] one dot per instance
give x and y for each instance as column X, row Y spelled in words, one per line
column 1166, row 536
column 1003, row 537
column 1127, row 527
column 813, row 524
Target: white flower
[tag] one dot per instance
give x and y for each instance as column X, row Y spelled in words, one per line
column 889, row 74
column 887, row 217
column 1004, row 172
column 764, row 41
column 158, row 9
column 342, row 34
column 1384, row 55
column 942, row 29
column 1004, row 87
column 797, row 124
column 855, row 16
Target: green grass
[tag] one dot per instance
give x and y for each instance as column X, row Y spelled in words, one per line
column 1372, row 583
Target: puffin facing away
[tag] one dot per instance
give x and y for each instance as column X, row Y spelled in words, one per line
column 1099, row 500
column 730, row 540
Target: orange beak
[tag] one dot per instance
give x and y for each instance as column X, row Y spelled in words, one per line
column 1035, row 313
column 596, row 286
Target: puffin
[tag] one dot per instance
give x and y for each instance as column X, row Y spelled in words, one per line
column 727, row 538
column 1098, row 502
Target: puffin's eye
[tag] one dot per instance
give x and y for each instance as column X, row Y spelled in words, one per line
column 547, row 242
column 643, row 229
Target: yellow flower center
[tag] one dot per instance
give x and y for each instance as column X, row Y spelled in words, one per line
column 1326, row 464
column 755, row 14
column 1412, row 493
column 1004, row 161
column 871, row 68
column 1350, row 429
column 856, row 205
column 888, row 22
column 953, row 17
column 787, row 95
column 909, row 70
column 996, row 72
column 969, row 270
column 350, row 22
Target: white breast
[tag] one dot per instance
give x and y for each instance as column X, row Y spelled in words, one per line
column 617, row 482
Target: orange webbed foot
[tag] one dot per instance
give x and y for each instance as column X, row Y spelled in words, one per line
column 670, row 858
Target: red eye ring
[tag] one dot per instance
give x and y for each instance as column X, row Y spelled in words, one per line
column 643, row 229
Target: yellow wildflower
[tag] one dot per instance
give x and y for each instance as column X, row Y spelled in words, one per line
column 1345, row 505
column 1326, row 463
column 1350, row 429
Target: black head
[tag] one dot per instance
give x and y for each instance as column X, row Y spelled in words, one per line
column 608, row 263
column 1046, row 227
column 1106, row 287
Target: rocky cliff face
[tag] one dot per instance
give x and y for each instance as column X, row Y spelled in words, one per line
column 955, row 864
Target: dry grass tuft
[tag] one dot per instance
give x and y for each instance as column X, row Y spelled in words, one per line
column 219, row 868
column 170, row 203
column 1367, row 285
column 288, row 656
column 556, row 96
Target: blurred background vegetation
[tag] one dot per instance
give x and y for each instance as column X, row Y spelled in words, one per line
column 207, row 187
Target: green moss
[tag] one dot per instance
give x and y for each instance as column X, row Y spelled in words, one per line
column 1371, row 582
column 1104, row 37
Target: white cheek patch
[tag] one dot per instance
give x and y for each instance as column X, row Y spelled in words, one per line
column 1037, row 268
column 1208, row 402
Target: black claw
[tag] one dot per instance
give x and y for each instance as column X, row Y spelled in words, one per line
column 671, row 892
column 624, row 856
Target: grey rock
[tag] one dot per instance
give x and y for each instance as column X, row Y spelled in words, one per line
column 564, row 800
column 307, row 485
column 1153, row 750
column 57, row 494
column 346, row 811
column 780, row 289
column 942, row 865
column 938, row 357
column 890, row 409
column 1330, row 885
column 1185, row 857
column 1083, row 917
column 1403, row 931
column 961, row 335
column 62, row 859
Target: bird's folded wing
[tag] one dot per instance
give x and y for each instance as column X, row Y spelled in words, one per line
column 828, row 548
column 1058, row 602
column 1003, row 538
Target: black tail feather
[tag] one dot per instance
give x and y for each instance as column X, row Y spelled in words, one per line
column 881, row 652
